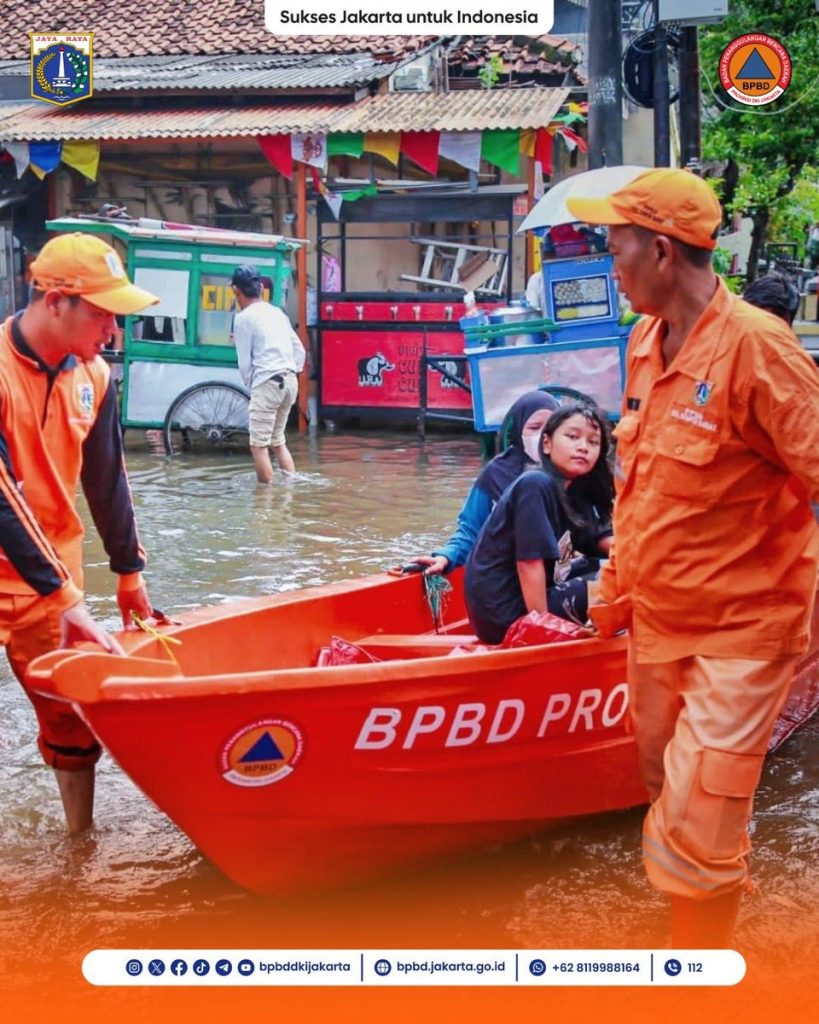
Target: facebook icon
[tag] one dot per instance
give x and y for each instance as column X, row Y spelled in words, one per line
column 179, row 967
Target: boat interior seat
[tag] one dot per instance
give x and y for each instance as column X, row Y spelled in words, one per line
column 414, row 645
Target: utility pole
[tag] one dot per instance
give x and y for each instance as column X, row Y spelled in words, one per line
column 662, row 119
column 605, row 84
column 689, row 96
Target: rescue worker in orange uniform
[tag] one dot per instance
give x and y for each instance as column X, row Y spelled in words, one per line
column 715, row 555
column 59, row 427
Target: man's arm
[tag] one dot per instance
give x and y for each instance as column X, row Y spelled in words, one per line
column 243, row 340
column 105, row 484
column 778, row 414
column 299, row 354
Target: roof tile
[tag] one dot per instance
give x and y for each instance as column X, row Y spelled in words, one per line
column 127, row 28
column 122, row 28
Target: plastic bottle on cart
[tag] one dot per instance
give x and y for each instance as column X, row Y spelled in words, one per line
column 473, row 317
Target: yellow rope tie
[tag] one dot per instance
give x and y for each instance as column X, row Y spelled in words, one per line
column 164, row 640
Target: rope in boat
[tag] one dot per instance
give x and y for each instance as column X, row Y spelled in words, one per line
column 435, row 590
column 164, row 640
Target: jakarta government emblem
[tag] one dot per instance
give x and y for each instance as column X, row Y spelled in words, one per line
column 61, row 66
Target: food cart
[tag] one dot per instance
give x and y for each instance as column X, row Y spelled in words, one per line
column 582, row 351
column 389, row 343
column 180, row 373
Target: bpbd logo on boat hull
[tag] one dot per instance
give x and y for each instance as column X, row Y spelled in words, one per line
column 261, row 753
column 61, row 66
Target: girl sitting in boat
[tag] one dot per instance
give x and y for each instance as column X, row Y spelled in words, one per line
column 528, row 415
column 522, row 560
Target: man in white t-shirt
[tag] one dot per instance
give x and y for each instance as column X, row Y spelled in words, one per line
column 271, row 356
column 535, row 292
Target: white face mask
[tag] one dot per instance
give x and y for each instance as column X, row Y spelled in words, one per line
column 530, row 435
column 531, row 447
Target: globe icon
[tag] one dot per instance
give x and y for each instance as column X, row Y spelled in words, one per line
column 383, row 967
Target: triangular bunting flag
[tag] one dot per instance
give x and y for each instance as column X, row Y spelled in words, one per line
column 83, row 156
column 386, row 144
column 278, row 150
column 309, row 149
column 19, row 150
column 44, row 157
column 501, row 147
column 334, row 201
column 463, row 148
column 422, row 149
column 359, row 193
column 572, row 139
column 528, row 138
column 544, row 146
column 345, row 144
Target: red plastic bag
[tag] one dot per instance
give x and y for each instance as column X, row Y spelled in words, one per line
column 542, row 628
column 342, row 652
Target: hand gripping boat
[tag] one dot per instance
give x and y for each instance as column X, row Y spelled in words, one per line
column 290, row 776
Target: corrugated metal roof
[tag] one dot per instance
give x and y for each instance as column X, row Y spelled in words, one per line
column 463, row 110
column 459, row 111
column 32, row 122
column 228, row 71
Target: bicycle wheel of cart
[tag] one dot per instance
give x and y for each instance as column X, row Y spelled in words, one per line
column 564, row 396
column 208, row 417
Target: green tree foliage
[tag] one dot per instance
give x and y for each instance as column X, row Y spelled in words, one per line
column 771, row 149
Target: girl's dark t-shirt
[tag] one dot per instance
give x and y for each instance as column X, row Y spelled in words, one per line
column 527, row 523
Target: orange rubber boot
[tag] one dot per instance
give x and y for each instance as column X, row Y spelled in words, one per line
column 704, row 924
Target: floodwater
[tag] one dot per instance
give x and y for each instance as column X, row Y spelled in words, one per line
column 359, row 503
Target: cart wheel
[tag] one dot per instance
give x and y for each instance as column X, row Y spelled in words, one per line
column 563, row 395
column 207, row 417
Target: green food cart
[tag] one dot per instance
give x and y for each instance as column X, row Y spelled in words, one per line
column 179, row 369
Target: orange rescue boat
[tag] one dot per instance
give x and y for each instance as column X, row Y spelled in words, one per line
column 292, row 776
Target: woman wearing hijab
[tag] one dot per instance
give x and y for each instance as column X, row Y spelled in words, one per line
column 528, row 415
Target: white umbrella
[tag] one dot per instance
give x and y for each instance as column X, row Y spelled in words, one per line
column 551, row 209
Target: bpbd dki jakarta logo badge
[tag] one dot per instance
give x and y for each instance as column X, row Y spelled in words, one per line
column 755, row 69
column 62, row 65
column 262, row 752
column 85, row 395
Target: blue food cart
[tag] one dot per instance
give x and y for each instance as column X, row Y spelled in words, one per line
column 579, row 346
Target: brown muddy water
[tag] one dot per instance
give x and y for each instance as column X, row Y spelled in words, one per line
column 359, row 503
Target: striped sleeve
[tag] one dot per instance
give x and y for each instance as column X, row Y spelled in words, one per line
column 106, row 487
column 22, row 538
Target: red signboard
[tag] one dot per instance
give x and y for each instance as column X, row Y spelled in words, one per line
column 379, row 367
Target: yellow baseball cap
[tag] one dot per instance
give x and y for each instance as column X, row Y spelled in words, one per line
column 80, row 264
column 666, row 200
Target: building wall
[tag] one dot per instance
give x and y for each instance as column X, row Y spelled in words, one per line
column 237, row 189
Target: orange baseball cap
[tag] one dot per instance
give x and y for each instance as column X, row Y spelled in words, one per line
column 666, row 200
column 80, row 264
